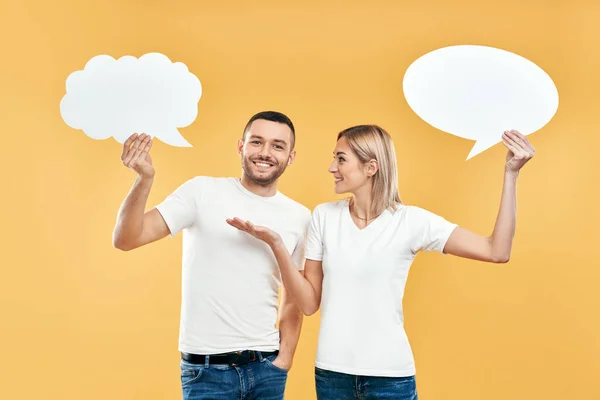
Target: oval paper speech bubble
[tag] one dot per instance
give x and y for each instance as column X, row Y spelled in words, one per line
column 478, row 92
column 120, row 97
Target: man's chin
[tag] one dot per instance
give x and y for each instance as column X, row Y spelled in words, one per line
column 260, row 177
column 263, row 181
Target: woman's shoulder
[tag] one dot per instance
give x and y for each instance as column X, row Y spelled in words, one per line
column 414, row 214
column 331, row 206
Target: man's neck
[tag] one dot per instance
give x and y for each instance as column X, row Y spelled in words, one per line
column 264, row 191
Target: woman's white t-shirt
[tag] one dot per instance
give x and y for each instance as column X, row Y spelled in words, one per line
column 364, row 276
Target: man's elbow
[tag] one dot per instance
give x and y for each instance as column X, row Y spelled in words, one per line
column 121, row 244
column 310, row 310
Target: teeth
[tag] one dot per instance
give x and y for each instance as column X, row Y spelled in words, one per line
column 263, row 165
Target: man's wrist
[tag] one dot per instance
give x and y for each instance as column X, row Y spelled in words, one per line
column 285, row 356
column 145, row 180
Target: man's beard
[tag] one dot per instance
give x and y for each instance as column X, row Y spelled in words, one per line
column 262, row 180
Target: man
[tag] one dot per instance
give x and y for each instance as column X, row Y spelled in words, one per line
column 230, row 346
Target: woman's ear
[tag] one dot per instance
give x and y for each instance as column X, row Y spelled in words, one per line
column 372, row 168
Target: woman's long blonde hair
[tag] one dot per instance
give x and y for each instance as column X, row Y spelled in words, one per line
column 370, row 142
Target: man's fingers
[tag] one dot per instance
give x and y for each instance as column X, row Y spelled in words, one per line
column 138, row 147
column 148, row 146
column 142, row 145
column 133, row 149
column 127, row 145
column 130, row 139
column 145, row 147
column 130, row 151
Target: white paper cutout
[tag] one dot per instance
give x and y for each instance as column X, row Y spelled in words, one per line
column 120, row 97
column 478, row 92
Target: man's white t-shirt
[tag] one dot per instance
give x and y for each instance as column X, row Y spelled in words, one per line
column 230, row 280
column 364, row 276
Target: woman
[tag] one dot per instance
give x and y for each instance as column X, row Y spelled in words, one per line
column 358, row 255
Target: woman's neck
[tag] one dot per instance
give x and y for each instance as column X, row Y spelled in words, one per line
column 361, row 204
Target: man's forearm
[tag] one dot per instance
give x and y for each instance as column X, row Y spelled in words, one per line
column 290, row 325
column 130, row 218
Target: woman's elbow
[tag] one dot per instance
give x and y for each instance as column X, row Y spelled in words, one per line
column 500, row 259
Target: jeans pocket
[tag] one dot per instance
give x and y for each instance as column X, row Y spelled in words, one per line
column 190, row 373
column 275, row 367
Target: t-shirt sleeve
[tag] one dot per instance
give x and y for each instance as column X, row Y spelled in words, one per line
column 179, row 208
column 300, row 250
column 314, row 240
column 430, row 231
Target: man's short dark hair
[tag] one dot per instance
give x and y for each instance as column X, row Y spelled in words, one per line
column 273, row 116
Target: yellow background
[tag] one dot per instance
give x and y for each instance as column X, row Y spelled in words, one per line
column 81, row 320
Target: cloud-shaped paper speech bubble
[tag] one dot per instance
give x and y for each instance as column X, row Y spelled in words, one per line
column 120, row 97
column 478, row 92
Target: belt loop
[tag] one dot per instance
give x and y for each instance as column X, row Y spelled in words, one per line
column 260, row 356
column 206, row 361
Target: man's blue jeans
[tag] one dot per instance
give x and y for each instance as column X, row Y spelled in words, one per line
column 259, row 380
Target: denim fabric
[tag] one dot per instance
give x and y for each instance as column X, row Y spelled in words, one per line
column 337, row 386
column 257, row 380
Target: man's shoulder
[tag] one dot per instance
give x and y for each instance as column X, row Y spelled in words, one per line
column 295, row 206
column 204, row 182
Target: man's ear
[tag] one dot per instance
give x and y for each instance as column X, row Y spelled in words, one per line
column 291, row 157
